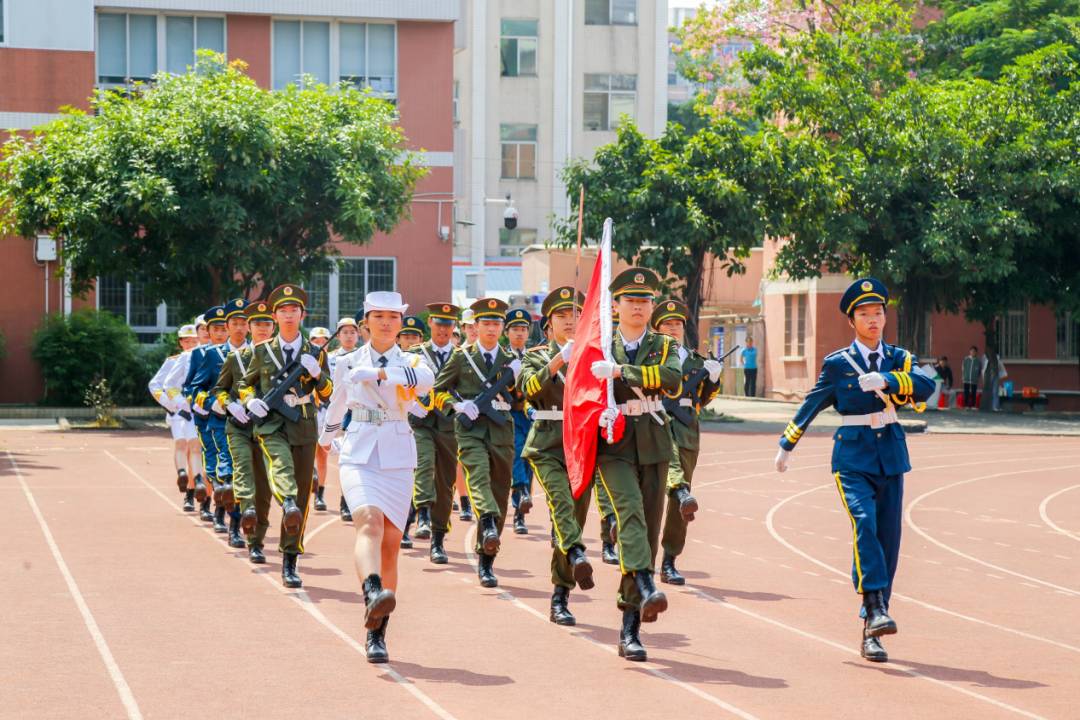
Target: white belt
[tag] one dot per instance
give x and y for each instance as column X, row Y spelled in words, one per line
column 553, row 414
column 376, row 415
column 874, row 420
column 686, row 402
column 293, row 401
column 633, row 408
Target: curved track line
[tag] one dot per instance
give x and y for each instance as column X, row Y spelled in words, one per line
column 1046, row 518
column 301, row 598
column 470, row 539
column 916, row 528
column 309, row 536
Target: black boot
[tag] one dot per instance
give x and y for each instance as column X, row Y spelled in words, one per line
column 485, row 569
column 608, row 554
column 466, row 510
column 525, row 501
column 379, row 603
column 560, row 615
column 878, row 622
column 489, row 534
column 255, row 555
column 519, row 524
column 292, row 519
column 219, row 520
column 423, row 523
column 216, row 487
column 613, row 528
column 289, row 577
column 376, row 644
column 320, row 502
column 346, row 516
column 406, row 541
column 235, row 539
column 872, row 648
column 181, row 479
column 204, row 510
column 200, row 488
column 189, row 501
column 583, row 572
column 687, row 504
column 436, row 552
column 228, row 498
column 454, row 506
column 668, row 573
column 653, row 602
column 629, row 643
column 249, row 522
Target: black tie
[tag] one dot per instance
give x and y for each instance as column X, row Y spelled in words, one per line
column 873, row 361
column 631, row 355
column 489, row 360
column 440, row 358
column 382, row 364
column 288, row 355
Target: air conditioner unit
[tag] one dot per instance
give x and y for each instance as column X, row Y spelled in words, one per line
column 45, row 249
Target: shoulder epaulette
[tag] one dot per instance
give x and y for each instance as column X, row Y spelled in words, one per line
column 697, row 354
column 173, row 357
column 537, row 348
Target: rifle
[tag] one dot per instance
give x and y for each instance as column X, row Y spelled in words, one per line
column 183, row 413
column 288, row 379
column 691, row 386
column 484, row 399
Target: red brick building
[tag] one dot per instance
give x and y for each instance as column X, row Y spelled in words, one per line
column 53, row 53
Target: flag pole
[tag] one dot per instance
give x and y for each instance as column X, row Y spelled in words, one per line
column 577, row 261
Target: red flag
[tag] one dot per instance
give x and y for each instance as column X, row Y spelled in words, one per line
column 584, row 396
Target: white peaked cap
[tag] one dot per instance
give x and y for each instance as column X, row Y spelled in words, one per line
column 384, row 300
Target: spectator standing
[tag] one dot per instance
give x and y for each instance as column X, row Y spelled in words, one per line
column 969, row 375
column 1001, row 375
column 749, row 361
column 945, row 373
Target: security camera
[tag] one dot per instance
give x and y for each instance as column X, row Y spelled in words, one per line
column 510, row 218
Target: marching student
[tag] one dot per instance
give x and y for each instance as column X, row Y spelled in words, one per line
column 173, row 385
column 518, row 327
column 186, row 450
column 320, row 337
column 348, row 339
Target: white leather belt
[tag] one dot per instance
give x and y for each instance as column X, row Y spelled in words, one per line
column 633, row 408
column 874, row 420
column 686, row 402
column 376, row 415
column 554, row 414
column 293, row 401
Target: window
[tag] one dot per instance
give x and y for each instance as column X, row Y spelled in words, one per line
column 518, row 48
column 455, row 100
column 607, row 98
column 1068, row 337
column 1012, row 329
column 128, row 301
column 611, row 12
column 301, row 48
column 340, row 292
column 512, row 242
column 518, row 151
column 127, row 44
column 184, row 35
column 794, row 325
column 368, row 56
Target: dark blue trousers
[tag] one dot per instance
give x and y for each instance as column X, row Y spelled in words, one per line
column 875, row 505
column 522, row 473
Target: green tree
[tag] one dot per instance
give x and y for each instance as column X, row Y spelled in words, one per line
column 202, row 186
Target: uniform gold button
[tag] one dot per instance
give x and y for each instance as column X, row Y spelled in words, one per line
column 879, row 434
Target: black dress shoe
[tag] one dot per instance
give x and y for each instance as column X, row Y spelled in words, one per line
column 292, row 519
column 228, row 498
column 608, row 554
column 560, row 615
column 519, row 524
column 436, row 552
column 189, row 501
column 249, row 522
column 878, row 622
column 378, row 602
column 687, row 504
column 181, row 479
column 346, row 515
column 525, row 501
column 204, row 511
column 454, row 507
column 489, row 534
column 872, row 649
column 289, row 577
column 613, row 528
column 255, row 555
column 376, row 644
column 583, row 572
column 653, row 602
column 320, row 503
column 485, row 569
column 219, row 520
column 668, row 573
column 466, row 514
column 423, row 523
column 236, row 540
column 406, row 541
column 200, row 488
column 629, row 643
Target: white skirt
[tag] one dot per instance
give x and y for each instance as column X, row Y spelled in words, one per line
column 182, row 429
column 368, row 485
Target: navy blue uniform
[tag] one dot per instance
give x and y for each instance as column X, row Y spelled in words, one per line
column 868, row 462
column 202, row 377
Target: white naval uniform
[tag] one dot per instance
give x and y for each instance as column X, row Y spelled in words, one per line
column 181, row 429
column 378, row 456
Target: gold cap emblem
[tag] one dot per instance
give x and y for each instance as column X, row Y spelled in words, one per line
column 220, row 312
column 239, row 303
column 565, row 293
column 639, row 278
column 671, row 306
column 287, row 291
column 491, row 303
column 867, row 286
column 446, row 308
column 262, row 306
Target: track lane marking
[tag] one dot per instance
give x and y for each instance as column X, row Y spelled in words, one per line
column 1046, row 518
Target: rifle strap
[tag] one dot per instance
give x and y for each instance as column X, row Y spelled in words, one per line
column 486, row 379
column 548, row 358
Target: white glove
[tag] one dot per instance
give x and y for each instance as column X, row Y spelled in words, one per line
column 326, row 440
column 199, row 411
column 782, row 460
column 468, row 409
column 608, row 417
column 364, row 373
column 238, row 411
column 165, row 402
column 258, row 408
column 311, row 365
column 515, row 365
column 602, row 369
column 180, row 403
column 216, row 407
column 714, row 367
column 335, row 447
column 567, row 351
column 418, row 411
column 872, row 381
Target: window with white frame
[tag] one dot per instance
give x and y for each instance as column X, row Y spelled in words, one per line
column 128, row 301
column 611, row 12
column 368, row 56
column 512, row 242
column 340, row 292
column 1012, row 329
column 301, row 47
column 365, row 57
column 1068, row 337
column 518, row 48
column 518, row 151
column 135, row 46
column 608, row 98
column 794, row 325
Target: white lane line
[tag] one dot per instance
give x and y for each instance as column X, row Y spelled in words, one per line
column 1046, row 518
column 122, row 687
column 916, row 528
column 301, row 598
column 850, row 651
column 470, row 540
column 309, row 536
